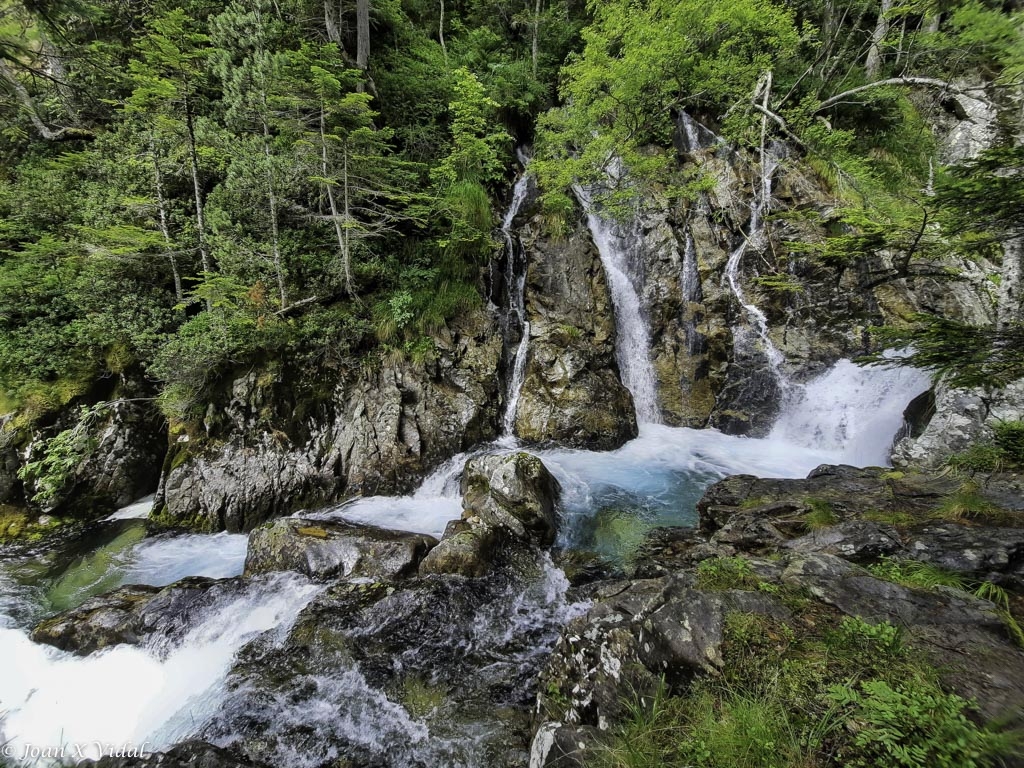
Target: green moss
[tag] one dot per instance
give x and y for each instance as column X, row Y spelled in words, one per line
column 20, row 524
column 422, row 698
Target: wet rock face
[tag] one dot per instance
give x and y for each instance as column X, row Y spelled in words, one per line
column 277, row 446
column 127, row 441
column 572, row 394
column 515, row 492
column 324, row 549
column 98, row 623
column 131, row 614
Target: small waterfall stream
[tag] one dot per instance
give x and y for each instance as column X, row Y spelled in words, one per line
column 755, row 239
column 692, row 293
column 633, row 344
column 515, row 321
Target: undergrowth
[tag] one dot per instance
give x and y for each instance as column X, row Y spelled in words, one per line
column 812, row 692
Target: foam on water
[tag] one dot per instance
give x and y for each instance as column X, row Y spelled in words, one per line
column 135, row 695
column 437, row 501
column 852, row 411
column 658, row 478
column 163, row 560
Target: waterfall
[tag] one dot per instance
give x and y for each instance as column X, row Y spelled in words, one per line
column 515, row 280
column 694, row 135
column 852, row 411
column 759, row 208
column 692, row 293
column 632, row 338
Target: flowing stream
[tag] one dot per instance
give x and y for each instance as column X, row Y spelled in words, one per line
column 174, row 687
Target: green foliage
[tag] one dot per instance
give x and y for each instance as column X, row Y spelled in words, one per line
column 916, row 728
column 965, row 501
column 1009, row 438
column 721, row 573
column 965, row 355
column 977, row 458
column 864, row 638
column 639, row 64
column 912, row 573
column 61, row 455
column 822, row 515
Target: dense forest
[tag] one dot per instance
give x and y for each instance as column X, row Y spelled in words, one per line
column 189, row 187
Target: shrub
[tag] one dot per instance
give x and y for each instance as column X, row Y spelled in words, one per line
column 914, row 727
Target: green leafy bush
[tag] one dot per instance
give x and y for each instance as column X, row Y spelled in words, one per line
column 914, row 727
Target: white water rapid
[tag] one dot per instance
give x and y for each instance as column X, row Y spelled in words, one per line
column 153, row 695
column 515, row 276
column 852, row 411
column 633, row 343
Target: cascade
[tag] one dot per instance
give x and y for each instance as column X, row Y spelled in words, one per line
column 692, row 293
column 759, row 208
column 696, row 136
column 632, row 342
column 156, row 694
column 515, row 319
column 850, row 410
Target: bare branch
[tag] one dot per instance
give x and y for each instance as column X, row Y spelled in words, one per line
column 928, row 82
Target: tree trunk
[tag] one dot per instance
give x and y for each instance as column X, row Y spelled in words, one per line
column 362, row 34
column 873, row 63
column 335, row 217
column 440, row 34
column 346, row 261
column 331, row 23
column 274, row 233
column 536, row 35
column 27, row 103
column 197, row 190
column 165, row 229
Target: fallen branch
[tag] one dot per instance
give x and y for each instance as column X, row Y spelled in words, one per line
column 929, row 82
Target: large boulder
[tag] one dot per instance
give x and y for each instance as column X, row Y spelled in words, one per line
column 508, row 505
column 102, row 621
column 326, row 549
column 130, row 614
column 960, row 419
column 515, row 492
